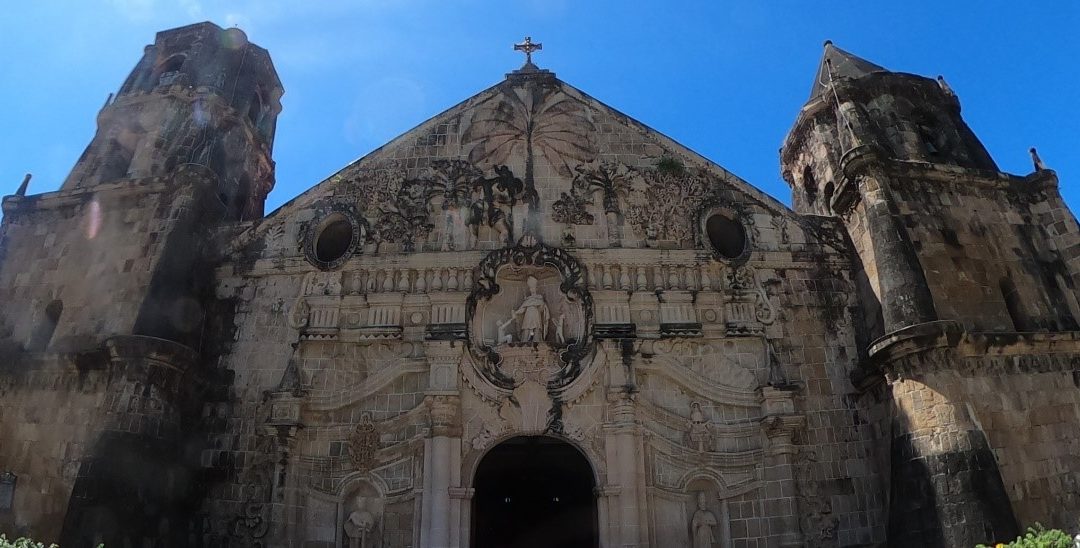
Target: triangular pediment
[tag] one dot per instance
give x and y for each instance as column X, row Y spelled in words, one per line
column 531, row 155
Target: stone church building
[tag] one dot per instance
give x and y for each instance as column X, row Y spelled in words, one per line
column 534, row 321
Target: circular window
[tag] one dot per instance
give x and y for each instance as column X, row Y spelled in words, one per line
column 334, row 241
column 726, row 235
column 331, row 242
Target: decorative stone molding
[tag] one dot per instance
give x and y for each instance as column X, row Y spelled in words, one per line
column 747, row 308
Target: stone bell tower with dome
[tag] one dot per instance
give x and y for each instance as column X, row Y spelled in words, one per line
column 534, row 319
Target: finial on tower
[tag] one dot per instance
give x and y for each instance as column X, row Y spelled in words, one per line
column 1036, row 160
column 945, row 86
column 528, row 47
column 26, row 183
column 827, row 44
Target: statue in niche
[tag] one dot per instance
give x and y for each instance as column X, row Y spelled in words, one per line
column 524, row 296
column 362, row 522
column 534, row 316
column 358, row 528
column 701, row 525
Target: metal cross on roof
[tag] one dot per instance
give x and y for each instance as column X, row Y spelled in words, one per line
column 528, row 47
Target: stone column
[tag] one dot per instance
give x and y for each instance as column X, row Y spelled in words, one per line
column 780, row 424
column 626, row 470
column 607, row 517
column 901, row 284
column 442, row 448
column 461, row 514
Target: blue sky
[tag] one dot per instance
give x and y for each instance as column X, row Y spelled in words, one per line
column 724, row 78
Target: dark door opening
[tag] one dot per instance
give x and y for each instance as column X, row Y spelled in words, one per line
column 534, row 491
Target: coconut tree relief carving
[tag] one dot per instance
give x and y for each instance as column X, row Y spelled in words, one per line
column 540, row 119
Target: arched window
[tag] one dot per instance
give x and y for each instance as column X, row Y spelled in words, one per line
column 167, row 72
column 43, row 333
column 115, row 161
column 809, row 185
column 255, row 109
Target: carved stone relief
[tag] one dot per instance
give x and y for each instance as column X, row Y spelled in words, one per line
column 529, row 315
column 364, row 443
column 666, row 203
column 538, row 116
column 700, row 433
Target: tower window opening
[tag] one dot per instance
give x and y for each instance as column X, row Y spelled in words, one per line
column 809, row 185
column 255, row 109
column 169, row 70
column 43, row 333
column 115, row 162
column 928, row 142
column 829, row 190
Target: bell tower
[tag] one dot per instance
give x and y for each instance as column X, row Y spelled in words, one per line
column 957, row 259
column 201, row 96
column 941, row 233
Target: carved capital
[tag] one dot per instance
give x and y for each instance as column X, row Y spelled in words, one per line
column 780, row 429
column 444, row 411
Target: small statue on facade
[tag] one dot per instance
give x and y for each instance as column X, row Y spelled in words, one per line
column 702, row 524
column 534, row 316
column 945, row 86
column 650, row 236
column 699, row 434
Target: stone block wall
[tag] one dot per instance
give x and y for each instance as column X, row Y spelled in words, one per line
column 983, row 431
column 50, row 416
column 1011, row 251
column 94, row 252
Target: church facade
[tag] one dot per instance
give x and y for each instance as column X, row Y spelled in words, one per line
column 535, row 321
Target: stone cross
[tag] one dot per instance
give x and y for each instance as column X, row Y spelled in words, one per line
column 528, row 47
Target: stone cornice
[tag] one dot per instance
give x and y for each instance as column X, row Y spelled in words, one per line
column 857, row 161
column 944, row 345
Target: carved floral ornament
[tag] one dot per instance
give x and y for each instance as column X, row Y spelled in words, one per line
column 529, row 301
column 450, row 205
column 364, row 443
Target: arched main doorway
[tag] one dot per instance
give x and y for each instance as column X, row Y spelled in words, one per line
column 534, row 491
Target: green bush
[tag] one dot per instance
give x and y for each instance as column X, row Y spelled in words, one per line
column 1039, row 537
column 21, row 542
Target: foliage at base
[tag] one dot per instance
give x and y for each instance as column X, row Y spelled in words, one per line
column 1038, row 537
column 22, row 542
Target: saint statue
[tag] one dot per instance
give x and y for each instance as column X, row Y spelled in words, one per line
column 702, row 524
column 533, row 313
column 700, row 434
column 358, row 528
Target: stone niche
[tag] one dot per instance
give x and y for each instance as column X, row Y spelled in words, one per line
column 530, row 316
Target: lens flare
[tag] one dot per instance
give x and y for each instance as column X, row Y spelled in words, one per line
column 233, row 38
column 92, row 220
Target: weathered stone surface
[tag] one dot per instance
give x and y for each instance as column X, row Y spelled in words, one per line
column 533, row 285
